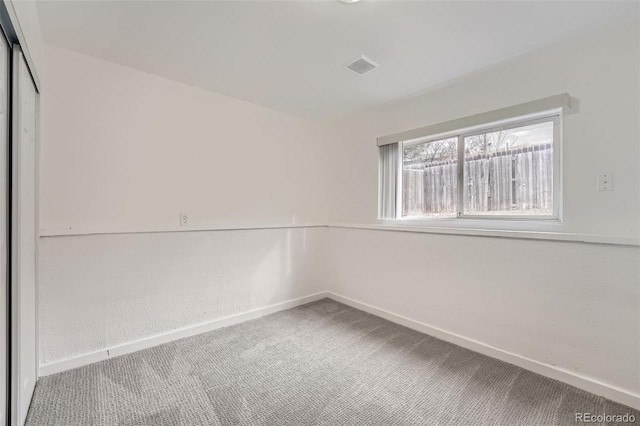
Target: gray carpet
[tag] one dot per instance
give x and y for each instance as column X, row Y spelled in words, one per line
column 319, row 364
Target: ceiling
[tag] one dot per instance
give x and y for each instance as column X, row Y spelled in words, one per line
column 291, row 55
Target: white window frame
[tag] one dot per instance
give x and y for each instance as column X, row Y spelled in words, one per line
column 554, row 115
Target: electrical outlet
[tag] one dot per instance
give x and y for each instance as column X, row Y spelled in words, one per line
column 605, row 181
column 184, row 219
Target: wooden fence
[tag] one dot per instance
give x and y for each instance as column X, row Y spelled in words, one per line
column 518, row 179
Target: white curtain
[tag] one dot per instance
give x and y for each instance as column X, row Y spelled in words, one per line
column 388, row 185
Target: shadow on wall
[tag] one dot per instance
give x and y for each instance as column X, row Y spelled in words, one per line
column 283, row 267
column 99, row 291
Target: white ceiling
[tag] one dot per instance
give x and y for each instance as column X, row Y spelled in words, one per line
column 291, row 55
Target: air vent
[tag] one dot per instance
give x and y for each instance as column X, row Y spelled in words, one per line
column 362, row 65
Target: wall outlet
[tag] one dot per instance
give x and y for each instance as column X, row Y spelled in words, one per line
column 184, row 219
column 605, row 181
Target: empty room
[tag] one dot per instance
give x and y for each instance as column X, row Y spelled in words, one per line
column 330, row 212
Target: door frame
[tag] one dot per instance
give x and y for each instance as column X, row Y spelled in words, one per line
column 8, row 30
column 5, row 288
column 23, row 377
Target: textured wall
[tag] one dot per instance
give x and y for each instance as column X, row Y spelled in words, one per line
column 98, row 291
column 599, row 69
column 572, row 305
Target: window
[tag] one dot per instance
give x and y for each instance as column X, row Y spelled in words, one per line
column 505, row 169
column 430, row 178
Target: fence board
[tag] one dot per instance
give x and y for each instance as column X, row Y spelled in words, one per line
column 520, row 179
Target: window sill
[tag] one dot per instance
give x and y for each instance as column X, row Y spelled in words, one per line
column 508, row 223
column 402, row 226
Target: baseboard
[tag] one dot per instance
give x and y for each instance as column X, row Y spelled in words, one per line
column 158, row 339
column 572, row 378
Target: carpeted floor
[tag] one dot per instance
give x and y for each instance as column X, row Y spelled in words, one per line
column 319, row 364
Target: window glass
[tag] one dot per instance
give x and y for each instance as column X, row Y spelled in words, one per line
column 509, row 172
column 430, row 179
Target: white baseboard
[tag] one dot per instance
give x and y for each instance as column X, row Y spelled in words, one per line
column 158, row 339
column 572, row 378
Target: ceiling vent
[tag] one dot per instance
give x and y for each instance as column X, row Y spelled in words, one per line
column 362, row 65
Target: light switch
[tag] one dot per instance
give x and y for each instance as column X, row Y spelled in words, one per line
column 605, row 181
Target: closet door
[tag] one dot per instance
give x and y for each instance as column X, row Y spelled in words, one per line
column 23, row 239
column 4, row 234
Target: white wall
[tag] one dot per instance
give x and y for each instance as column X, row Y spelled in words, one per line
column 600, row 70
column 100, row 291
column 126, row 149
column 570, row 305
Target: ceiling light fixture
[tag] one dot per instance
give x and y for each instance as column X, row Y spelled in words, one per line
column 348, row 1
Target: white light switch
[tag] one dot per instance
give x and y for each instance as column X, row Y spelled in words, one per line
column 184, row 219
column 605, row 181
